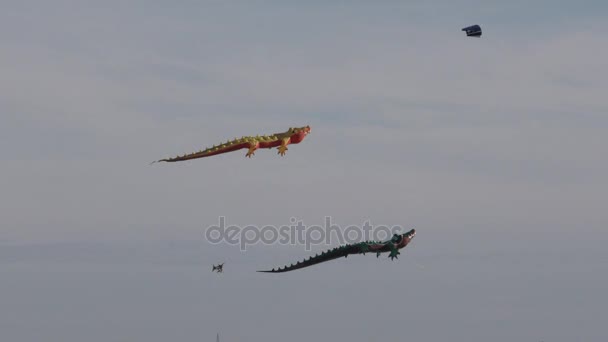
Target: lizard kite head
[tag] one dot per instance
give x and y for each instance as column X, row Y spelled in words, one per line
column 403, row 240
column 296, row 135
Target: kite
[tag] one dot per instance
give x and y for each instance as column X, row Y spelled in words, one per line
column 473, row 31
column 279, row 140
column 219, row 268
column 393, row 246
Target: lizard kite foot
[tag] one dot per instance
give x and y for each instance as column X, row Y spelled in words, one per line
column 394, row 254
column 364, row 248
column 251, row 151
column 282, row 150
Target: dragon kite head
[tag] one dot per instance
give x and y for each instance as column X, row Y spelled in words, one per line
column 298, row 134
column 402, row 240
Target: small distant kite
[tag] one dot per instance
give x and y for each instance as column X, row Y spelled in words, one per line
column 473, row 31
column 279, row 140
column 219, row 268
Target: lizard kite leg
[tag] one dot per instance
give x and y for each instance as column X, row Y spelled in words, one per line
column 252, row 147
column 283, row 148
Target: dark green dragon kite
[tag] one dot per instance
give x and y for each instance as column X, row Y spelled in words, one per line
column 393, row 246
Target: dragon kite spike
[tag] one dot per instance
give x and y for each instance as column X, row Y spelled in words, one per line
column 392, row 246
column 252, row 143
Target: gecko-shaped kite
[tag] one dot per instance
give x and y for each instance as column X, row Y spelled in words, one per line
column 393, row 246
column 279, row 140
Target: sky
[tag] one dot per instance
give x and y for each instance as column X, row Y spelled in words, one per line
column 493, row 149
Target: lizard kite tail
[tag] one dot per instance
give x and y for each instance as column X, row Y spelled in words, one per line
column 393, row 246
column 279, row 140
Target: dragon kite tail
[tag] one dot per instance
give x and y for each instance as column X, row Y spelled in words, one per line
column 392, row 246
column 331, row 254
column 252, row 143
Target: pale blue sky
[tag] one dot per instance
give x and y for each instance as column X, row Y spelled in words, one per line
column 492, row 148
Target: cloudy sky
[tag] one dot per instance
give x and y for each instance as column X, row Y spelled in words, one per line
column 494, row 149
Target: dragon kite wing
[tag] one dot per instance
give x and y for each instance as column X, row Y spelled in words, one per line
column 279, row 140
column 392, row 246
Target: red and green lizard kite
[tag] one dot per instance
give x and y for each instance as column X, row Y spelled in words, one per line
column 279, row 140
